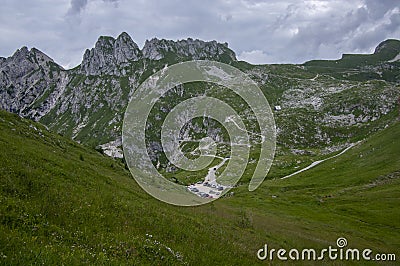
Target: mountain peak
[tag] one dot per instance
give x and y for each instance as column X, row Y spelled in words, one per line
column 105, row 41
column 34, row 55
column 28, row 74
column 157, row 49
column 23, row 49
column 124, row 34
column 126, row 49
column 388, row 45
column 24, row 61
column 40, row 57
column 108, row 53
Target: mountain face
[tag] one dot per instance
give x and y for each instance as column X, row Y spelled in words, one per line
column 24, row 77
column 324, row 104
column 195, row 49
column 92, row 97
column 108, row 54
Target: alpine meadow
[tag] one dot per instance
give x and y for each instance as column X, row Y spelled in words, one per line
column 67, row 196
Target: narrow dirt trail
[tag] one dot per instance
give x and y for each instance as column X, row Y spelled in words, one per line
column 320, row 161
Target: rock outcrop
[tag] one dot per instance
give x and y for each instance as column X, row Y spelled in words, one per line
column 24, row 78
column 109, row 54
column 91, row 98
column 87, row 103
column 156, row 49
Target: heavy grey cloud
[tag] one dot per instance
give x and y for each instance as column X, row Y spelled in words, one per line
column 76, row 6
column 287, row 31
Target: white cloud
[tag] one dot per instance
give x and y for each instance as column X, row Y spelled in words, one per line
column 254, row 57
column 291, row 31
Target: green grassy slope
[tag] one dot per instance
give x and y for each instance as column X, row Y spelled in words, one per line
column 356, row 195
column 386, row 51
column 61, row 202
column 64, row 203
column 362, row 66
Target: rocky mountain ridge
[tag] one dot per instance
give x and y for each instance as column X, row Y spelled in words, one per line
column 87, row 103
column 24, row 76
column 109, row 54
column 34, row 86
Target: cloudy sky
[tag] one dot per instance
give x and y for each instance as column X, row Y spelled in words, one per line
column 287, row 31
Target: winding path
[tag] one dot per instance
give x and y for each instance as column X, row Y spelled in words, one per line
column 320, row 161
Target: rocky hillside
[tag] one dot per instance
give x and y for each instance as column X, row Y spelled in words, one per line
column 88, row 101
column 323, row 104
column 27, row 76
